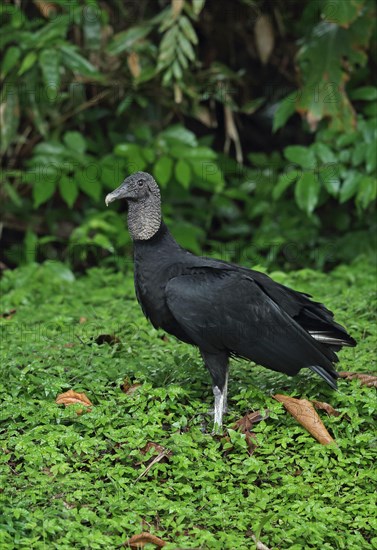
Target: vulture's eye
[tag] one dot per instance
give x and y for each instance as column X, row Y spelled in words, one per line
column 140, row 183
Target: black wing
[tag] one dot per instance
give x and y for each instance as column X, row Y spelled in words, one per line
column 227, row 310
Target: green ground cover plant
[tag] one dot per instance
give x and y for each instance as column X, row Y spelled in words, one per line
column 80, row 481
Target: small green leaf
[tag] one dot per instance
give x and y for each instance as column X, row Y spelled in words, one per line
column 179, row 133
column 12, row 55
column 27, row 62
column 284, row 181
column 75, row 141
column 303, row 156
column 349, row 186
column 329, row 176
column 68, row 190
column 371, row 157
column 197, row 6
column 43, row 190
column 188, row 29
column 366, row 93
column 76, row 62
column 10, row 116
column 126, row 39
column 284, row 111
column 324, row 153
column 88, row 183
column 163, row 169
column 367, row 191
column 49, row 61
column 307, row 192
column 183, row 173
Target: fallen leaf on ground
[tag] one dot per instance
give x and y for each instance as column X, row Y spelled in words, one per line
column 72, row 397
column 8, row 314
column 82, row 320
column 322, row 406
column 162, row 454
column 369, row 380
column 245, row 424
column 304, row 412
column 151, row 445
column 129, row 388
column 110, row 339
column 139, row 541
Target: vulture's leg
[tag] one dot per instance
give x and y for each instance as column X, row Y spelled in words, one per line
column 217, row 365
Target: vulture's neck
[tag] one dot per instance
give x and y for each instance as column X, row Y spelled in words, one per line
column 158, row 248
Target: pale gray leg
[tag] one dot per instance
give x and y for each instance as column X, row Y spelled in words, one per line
column 217, row 364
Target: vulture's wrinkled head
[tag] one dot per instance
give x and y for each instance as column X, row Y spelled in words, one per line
column 144, row 204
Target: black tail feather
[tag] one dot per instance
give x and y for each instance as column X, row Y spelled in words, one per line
column 329, row 377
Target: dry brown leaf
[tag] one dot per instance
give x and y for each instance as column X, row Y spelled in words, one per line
column 151, row 445
column 46, row 8
column 133, row 64
column 129, row 388
column 304, row 412
column 264, row 37
column 82, row 320
column 369, row 380
column 139, row 541
column 110, row 339
column 322, row 406
column 72, row 397
column 245, row 424
column 8, row 314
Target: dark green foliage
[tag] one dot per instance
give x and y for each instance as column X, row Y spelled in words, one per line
column 70, row 481
column 91, row 92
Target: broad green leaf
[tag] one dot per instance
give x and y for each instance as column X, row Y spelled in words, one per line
column 163, row 170
column 193, row 153
column 10, row 116
column 75, row 141
column 27, row 62
column 367, row 191
column 307, row 191
column 43, row 190
column 358, row 155
column 149, row 154
column 349, row 186
column 49, row 61
column 259, row 159
column 210, row 176
column 342, row 12
column 329, row 176
column 126, row 39
column 77, row 63
column 88, row 182
column 127, row 150
column 179, row 133
column 284, row 111
column 366, row 93
column 12, row 55
column 324, row 153
column 284, row 181
column 323, row 71
column 68, row 190
column 303, row 156
column 183, row 173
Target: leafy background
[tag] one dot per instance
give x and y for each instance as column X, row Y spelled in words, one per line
column 257, row 118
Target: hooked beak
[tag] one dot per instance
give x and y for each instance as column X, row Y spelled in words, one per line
column 122, row 192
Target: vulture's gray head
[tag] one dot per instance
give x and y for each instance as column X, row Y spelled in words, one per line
column 144, row 204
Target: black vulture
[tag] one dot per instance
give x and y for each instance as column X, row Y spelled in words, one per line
column 224, row 309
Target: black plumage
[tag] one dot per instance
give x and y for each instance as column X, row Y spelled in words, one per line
column 224, row 309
